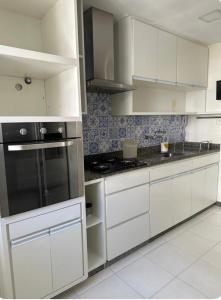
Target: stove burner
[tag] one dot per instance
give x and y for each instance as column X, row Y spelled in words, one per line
column 101, row 168
column 129, row 162
column 112, row 165
column 111, row 160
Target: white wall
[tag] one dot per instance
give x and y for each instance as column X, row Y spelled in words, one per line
column 209, row 129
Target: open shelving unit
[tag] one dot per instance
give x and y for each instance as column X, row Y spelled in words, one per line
column 96, row 237
column 21, row 62
column 39, row 39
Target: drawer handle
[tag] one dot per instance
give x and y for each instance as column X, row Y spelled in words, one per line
column 30, row 238
column 64, row 226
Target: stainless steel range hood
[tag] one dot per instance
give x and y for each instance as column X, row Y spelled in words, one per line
column 99, row 53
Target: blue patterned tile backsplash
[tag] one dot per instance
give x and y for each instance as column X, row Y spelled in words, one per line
column 103, row 132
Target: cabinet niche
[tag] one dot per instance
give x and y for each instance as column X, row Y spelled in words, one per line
column 38, row 39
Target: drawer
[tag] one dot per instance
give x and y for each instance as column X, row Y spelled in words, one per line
column 127, row 236
column 166, row 170
column 125, row 181
column 126, row 205
column 206, row 160
column 182, row 166
column 35, row 224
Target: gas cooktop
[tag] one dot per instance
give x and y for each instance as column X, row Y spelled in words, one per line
column 111, row 165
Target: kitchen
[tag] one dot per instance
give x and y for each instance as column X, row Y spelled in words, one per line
column 110, row 149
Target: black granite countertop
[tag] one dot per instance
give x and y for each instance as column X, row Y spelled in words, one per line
column 152, row 157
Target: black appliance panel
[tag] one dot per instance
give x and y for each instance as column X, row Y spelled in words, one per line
column 23, row 178
column 36, row 173
column 19, row 132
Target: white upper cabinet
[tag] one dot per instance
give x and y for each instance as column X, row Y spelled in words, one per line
column 145, row 40
column 192, row 63
column 167, row 71
column 158, row 55
column 167, row 57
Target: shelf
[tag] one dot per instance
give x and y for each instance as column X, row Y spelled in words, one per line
column 18, row 62
column 25, row 119
column 163, row 114
column 92, row 221
column 94, row 260
column 155, row 83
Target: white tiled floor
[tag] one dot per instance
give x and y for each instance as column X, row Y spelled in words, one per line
column 184, row 263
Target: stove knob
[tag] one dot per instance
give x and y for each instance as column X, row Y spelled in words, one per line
column 43, row 130
column 60, row 129
column 23, row 131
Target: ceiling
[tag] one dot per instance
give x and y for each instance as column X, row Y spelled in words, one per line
column 178, row 16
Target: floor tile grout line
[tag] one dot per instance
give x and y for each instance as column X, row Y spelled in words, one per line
column 137, row 292
column 143, row 255
column 193, row 287
column 96, row 284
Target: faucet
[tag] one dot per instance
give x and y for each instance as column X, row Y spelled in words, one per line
column 175, row 144
column 204, row 142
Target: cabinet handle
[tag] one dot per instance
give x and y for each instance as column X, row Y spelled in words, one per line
column 161, row 180
column 38, row 146
column 30, row 238
column 64, row 226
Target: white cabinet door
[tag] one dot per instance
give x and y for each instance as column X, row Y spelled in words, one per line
column 161, row 206
column 167, row 57
column 126, row 236
column 66, row 254
column 31, row 261
column 211, row 184
column 192, row 63
column 198, row 190
column 181, row 196
column 145, row 42
column 126, row 205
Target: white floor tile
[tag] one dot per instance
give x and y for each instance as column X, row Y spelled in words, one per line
column 207, row 231
column 174, row 233
column 152, row 245
column 124, row 262
column 145, row 277
column 205, row 278
column 111, row 288
column 214, row 219
column 171, row 258
column 178, row 289
column 192, row 243
column 214, row 256
column 93, row 281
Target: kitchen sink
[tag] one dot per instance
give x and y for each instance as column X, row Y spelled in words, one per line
column 177, row 154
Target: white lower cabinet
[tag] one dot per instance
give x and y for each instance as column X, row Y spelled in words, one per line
column 66, row 254
column 46, row 261
column 181, row 198
column 198, row 181
column 126, row 236
column 161, row 206
column 204, row 187
column 211, row 184
column 126, row 205
column 31, row 263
